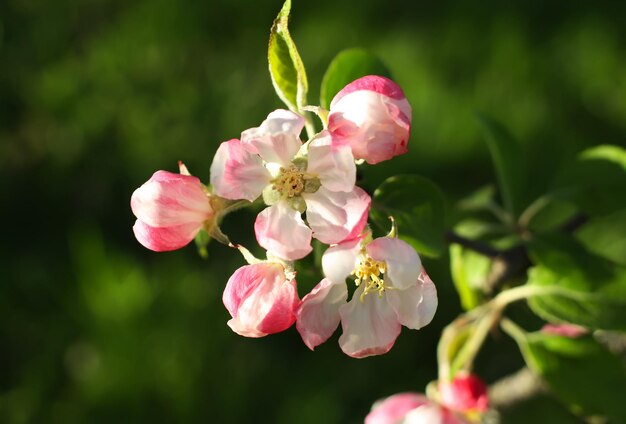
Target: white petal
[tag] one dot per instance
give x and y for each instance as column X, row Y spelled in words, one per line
column 318, row 315
column 415, row 306
column 332, row 163
column 432, row 413
column 369, row 328
column 282, row 232
column 339, row 261
column 403, row 263
column 335, row 216
column 236, row 173
column 277, row 139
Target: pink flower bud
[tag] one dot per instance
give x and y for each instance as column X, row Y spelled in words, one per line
column 466, row 392
column 170, row 210
column 566, row 330
column 373, row 116
column 261, row 300
column 393, row 409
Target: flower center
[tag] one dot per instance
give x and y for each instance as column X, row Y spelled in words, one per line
column 290, row 182
column 370, row 272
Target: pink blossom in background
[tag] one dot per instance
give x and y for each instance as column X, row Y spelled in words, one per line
column 318, row 178
column 262, row 299
column 170, row 210
column 393, row 290
column 466, row 392
column 373, row 116
column 566, row 330
column 411, row 408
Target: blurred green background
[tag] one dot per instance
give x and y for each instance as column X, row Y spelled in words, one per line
column 97, row 95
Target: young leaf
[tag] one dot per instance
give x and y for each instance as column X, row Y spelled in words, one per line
column 509, row 164
column 347, row 66
column 469, row 271
column 418, row 206
column 606, row 236
column 598, row 289
column 579, row 371
column 286, row 67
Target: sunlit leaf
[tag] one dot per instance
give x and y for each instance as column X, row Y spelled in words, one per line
column 469, row 271
column 347, row 66
column 418, row 206
column 598, row 286
column 606, row 236
column 286, row 67
column 595, row 181
column 579, row 371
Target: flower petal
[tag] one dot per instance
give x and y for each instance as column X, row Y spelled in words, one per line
column 339, row 261
column 415, row 306
column 169, row 199
column 392, row 410
column 277, row 139
column 318, row 315
column 403, row 263
column 336, row 216
column 332, row 163
column 369, row 327
column 163, row 239
column 373, row 116
column 260, row 299
column 282, row 232
column 237, row 173
column 431, row 413
column 465, row 393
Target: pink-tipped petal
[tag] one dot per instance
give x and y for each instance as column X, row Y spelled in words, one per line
column 237, row 173
column 277, row 139
column 431, row 413
column 164, row 239
column 260, row 299
column 393, row 409
column 373, row 116
column 332, row 163
column 339, row 261
column 336, row 216
column 369, row 327
column 282, row 232
column 416, row 305
column 465, row 393
column 318, row 315
column 169, row 199
column 566, row 330
column 403, row 263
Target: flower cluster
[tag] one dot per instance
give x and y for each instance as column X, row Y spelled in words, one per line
column 461, row 401
column 309, row 190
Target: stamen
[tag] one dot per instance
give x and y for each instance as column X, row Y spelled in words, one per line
column 290, row 182
column 370, row 273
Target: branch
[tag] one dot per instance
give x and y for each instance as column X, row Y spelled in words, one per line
column 515, row 388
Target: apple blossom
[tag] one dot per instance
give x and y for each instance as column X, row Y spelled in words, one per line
column 373, row 116
column 261, row 298
column 170, row 210
column 465, row 393
column 317, row 177
column 392, row 290
column 411, row 408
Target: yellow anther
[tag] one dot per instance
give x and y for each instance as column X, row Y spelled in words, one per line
column 369, row 272
column 290, row 182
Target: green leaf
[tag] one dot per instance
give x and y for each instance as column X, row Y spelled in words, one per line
column 286, row 67
column 579, row 371
column 606, row 236
column 202, row 240
column 598, row 288
column 347, row 66
column 595, row 181
column 509, row 164
column 418, row 206
column 469, row 271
